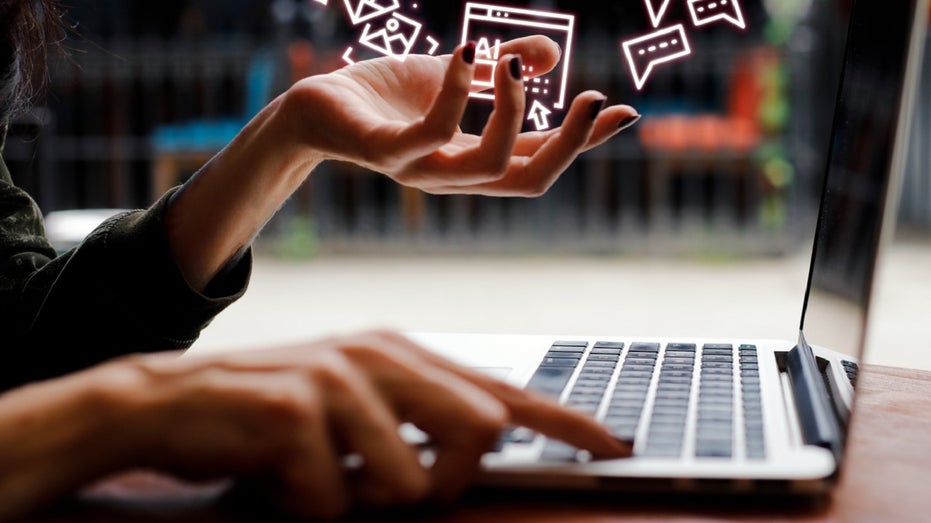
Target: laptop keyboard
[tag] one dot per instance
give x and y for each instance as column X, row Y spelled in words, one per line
column 850, row 369
column 651, row 396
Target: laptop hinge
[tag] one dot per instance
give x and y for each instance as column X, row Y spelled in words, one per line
column 818, row 423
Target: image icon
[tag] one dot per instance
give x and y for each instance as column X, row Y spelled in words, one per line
column 395, row 39
column 365, row 10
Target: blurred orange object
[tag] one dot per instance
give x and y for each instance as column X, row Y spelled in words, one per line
column 300, row 59
column 739, row 129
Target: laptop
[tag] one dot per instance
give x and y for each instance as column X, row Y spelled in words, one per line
column 736, row 414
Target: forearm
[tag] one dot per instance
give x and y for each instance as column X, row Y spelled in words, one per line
column 56, row 437
column 222, row 208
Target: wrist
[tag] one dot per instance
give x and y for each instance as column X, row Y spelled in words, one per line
column 305, row 124
column 287, row 132
column 224, row 206
column 120, row 395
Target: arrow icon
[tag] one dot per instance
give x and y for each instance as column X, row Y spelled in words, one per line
column 538, row 113
column 657, row 14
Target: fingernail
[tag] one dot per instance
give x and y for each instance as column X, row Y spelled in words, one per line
column 629, row 121
column 468, row 54
column 517, row 71
column 596, row 107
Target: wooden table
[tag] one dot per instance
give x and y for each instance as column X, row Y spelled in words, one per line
column 887, row 478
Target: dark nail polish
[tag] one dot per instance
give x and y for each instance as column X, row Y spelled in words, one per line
column 596, row 108
column 628, row 122
column 517, row 70
column 468, row 54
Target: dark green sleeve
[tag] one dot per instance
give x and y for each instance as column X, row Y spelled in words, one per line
column 118, row 292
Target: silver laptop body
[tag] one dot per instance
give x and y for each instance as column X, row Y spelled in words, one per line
column 735, row 414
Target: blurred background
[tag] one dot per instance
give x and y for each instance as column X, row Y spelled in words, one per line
column 699, row 217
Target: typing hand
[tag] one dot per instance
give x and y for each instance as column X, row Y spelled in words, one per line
column 287, row 418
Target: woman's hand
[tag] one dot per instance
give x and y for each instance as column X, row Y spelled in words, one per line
column 313, row 427
column 397, row 118
column 402, row 119
column 290, row 417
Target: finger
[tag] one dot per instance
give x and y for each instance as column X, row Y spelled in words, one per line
column 390, row 469
column 529, row 409
column 534, row 175
column 311, row 474
column 543, row 415
column 558, row 152
column 462, row 420
column 489, row 158
column 539, row 53
column 440, row 123
column 611, row 120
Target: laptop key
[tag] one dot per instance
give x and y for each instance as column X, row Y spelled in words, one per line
column 567, row 350
column 644, row 347
column 599, row 350
column 604, row 357
column 752, row 404
column 569, row 343
column 560, row 362
column 550, row 380
column 713, row 450
column 555, row 450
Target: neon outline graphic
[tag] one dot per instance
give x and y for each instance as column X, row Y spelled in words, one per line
column 357, row 16
column 736, row 19
column 496, row 14
column 538, row 113
column 367, row 38
column 433, row 45
column 656, row 17
column 641, row 80
column 346, row 54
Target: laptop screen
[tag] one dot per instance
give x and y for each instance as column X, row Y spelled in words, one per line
column 865, row 156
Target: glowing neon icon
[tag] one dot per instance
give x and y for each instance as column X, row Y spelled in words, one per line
column 367, row 9
column 657, row 14
column 539, row 113
column 708, row 11
column 434, row 44
column 347, row 56
column 647, row 52
column 490, row 25
column 395, row 39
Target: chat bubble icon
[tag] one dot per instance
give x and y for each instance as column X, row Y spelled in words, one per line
column 709, row 11
column 646, row 53
column 657, row 10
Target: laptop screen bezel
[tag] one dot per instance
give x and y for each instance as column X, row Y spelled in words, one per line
column 893, row 172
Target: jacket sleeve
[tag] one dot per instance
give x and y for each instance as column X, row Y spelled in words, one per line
column 118, row 292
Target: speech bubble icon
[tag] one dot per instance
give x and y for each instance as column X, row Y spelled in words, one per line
column 708, row 11
column 657, row 10
column 647, row 52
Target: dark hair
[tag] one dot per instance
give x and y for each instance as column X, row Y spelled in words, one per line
column 31, row 27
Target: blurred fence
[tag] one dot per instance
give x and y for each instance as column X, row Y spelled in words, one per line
column 672, row 184
column 699, row 177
